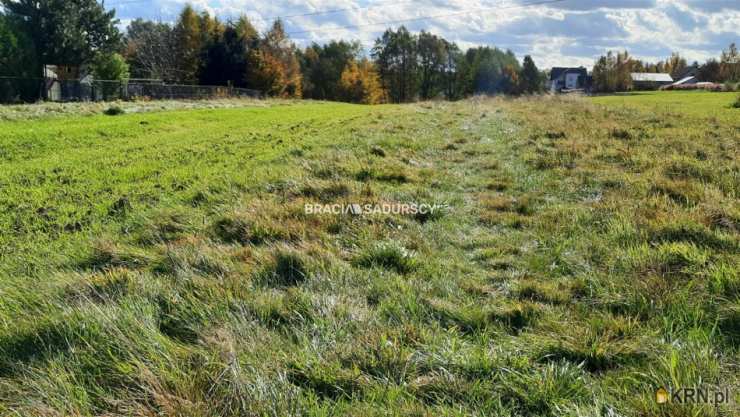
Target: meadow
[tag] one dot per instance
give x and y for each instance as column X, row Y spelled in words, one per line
column 162, row 262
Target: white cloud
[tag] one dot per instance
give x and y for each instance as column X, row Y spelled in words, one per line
column 568, row 32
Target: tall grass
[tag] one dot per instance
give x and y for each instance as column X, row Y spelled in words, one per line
column 588, row 256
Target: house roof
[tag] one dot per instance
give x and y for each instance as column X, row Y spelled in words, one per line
column 685, row 80
column 651, row 77
column 557, row 72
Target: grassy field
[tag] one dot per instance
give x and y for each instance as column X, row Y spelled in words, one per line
column 162, row 263
column 678, row 104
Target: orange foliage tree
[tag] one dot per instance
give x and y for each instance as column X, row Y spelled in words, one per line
column 273, row 67
column 360, row 83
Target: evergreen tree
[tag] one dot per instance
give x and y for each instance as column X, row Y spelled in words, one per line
column 530, row 80
column 16, row 50
column 17, row 59
column 224, row 58
column 69, row 32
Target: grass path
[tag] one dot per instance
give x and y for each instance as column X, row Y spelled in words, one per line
column 163, row 264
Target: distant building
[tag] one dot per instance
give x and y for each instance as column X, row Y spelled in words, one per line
column 62, row 82
column 650, row 81
column 62, row 72
column 563, row 79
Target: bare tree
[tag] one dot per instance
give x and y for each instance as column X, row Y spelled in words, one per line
column 151, row 48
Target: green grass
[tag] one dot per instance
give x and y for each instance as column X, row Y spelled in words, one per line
column 162, row 263
column 692, row 102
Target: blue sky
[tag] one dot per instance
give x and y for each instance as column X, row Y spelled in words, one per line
column 562, row 33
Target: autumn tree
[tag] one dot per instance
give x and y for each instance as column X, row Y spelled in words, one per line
column 604, row 74
column 623, row 72
column 322, row 67
column 189, row 45
column 360, row 83
column 730, row 64
column 675, row 65
column 273, row 67
column 613, row 72
column 246, row 31
column 210, row 28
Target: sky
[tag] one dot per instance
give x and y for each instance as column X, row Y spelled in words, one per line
column 554, row 32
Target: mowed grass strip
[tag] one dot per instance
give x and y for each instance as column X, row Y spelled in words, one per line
column 163, row 263
column 70, row 178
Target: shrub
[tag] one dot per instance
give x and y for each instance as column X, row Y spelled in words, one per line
column 114, row 111
column 377, row 151
column 737, row 103
column 110, row 67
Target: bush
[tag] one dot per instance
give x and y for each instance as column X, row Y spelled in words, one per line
column 114, row 111
column 737, row 103
column 112, row 67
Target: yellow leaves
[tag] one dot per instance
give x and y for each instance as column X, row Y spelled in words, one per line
column 276, row 75
column 360, row 83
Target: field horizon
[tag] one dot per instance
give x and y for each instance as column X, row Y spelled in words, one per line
column 583, row 253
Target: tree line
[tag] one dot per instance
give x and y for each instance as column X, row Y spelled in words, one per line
column 612, row 71
column 201, row 49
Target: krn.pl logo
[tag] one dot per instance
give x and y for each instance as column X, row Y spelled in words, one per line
column 661, row 396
